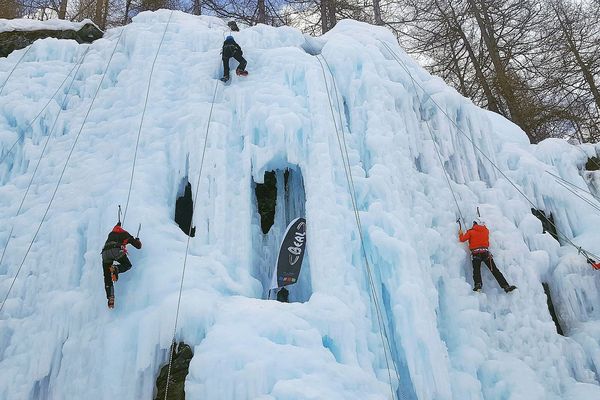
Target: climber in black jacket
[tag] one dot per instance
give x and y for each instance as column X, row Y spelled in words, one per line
column 232, row 49
column 115, row 250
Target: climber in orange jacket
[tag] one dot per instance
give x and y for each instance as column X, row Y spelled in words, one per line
column 479, row 243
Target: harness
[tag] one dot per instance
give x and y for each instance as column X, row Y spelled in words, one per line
column 479, row 250
column 115, row 245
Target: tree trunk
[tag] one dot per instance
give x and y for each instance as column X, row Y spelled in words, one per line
column 377, row 12
column 504, row 84
column 62, row 9
column 487, row 90
column 324, row 17
column 262, row 14
column 331, row 8
column 197, row 8
column 98, row 13
column 572, row 46
column 456, row 67
column 492, row 103
column 127, row 8
column 104, row 15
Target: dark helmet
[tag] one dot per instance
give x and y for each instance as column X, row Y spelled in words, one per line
column 229, row 39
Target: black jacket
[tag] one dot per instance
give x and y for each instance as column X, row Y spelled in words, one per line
column 230, row 48
column 119, row 238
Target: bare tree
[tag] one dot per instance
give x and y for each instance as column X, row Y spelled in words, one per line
column 101, row 13
column 570, row 57
column 262, row 12
column 196, row 7
column 62, row 9
column 377, row 12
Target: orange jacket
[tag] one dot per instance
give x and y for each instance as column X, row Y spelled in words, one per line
column 478, row 236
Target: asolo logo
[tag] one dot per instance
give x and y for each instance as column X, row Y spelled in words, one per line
column 299, row 239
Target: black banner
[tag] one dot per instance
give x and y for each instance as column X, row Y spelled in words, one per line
column 291, row 254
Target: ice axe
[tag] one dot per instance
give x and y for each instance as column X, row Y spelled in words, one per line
column 459, row 223
column 119, row 214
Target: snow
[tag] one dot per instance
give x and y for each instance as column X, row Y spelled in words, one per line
column 58, row 340
column 8, row 25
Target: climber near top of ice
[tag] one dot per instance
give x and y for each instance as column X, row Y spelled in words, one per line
column 479, row 243
column 233, row 26
column 232, row 49
column 115, row 250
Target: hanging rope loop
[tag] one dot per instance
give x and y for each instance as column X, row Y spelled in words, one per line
column 187, row 246
column 15, row 67
column 63, row 171
column 350, row 181
column 139, row 134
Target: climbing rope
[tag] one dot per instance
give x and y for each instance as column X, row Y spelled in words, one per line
column 137, row 143
column 459, row 129
column 592, row 159
column 15, row 67
column 594, row 206
column 30, row 124
column 349, row 178
column 437, row 150
column 64, row 103
column 571, row 186
column 187, row 246
column 62, row 172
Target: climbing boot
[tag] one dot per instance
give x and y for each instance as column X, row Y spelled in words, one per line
column 111, row 302
column 510, row 288
column 241, row 72
column 477, row 288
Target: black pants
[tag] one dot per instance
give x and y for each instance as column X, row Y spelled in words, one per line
column 486, row 258
column 238, row 58
column 124, row 266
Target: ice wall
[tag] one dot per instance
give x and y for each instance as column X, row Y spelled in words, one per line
column 57, row 338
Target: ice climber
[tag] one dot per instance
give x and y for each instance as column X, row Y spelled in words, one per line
column 115, row 250
column 232, row 49
column 479, row 243
column 233, row 26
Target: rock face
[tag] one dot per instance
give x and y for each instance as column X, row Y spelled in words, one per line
column 592, row 164
column 18, row 39
column 179, row 370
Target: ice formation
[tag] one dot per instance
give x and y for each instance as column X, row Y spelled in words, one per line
column 304, row 100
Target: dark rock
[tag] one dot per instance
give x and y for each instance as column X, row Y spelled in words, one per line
column 547, row 222
column 551, row 309
column 184, row 210
column 179, row 370
column 266, row 199
column 593, row 164
column 15, row 40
